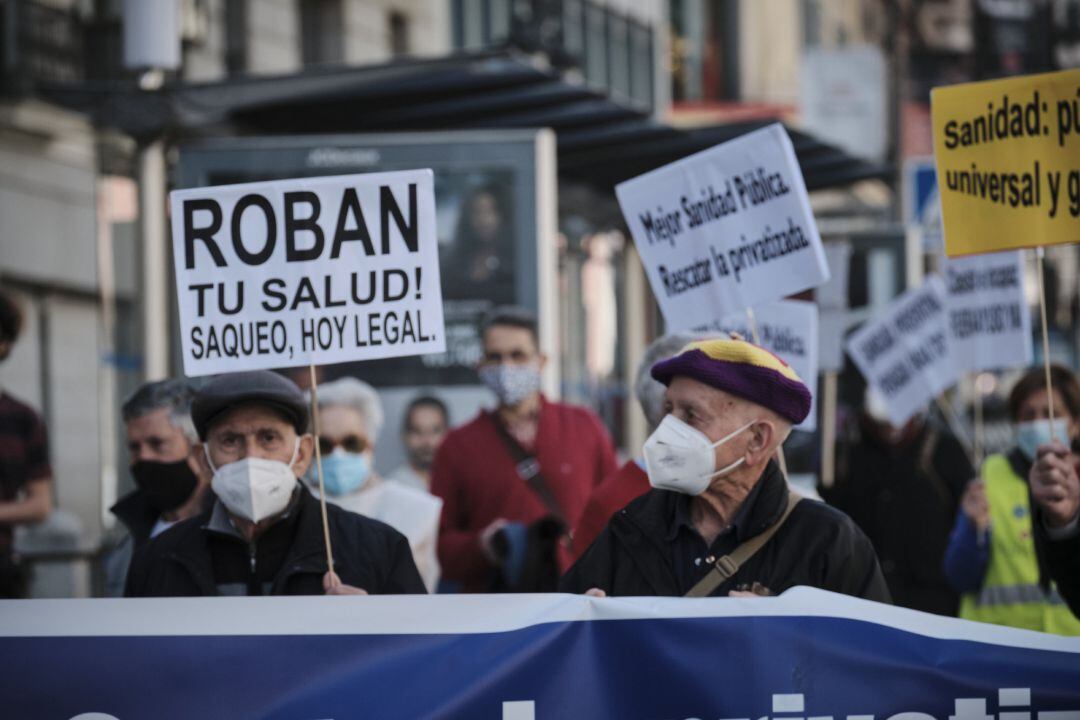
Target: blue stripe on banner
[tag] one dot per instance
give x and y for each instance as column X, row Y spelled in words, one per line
column 653, row 669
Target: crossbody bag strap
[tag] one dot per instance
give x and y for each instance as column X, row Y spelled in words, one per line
column 528, row 469
column 726, row 566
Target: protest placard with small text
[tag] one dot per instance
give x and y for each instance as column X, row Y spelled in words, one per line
column 1008, row 162
column 989, row 318
column 725, row 229
column 905, row 352
column 311, row 270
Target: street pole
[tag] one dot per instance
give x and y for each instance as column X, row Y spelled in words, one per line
column 153, row 265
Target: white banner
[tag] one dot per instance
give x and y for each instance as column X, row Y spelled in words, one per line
column 789, row 330
column 725, row 229
column 311, row 270
column 906, row 353
column 989, row 320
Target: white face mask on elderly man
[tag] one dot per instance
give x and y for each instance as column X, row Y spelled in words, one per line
column 254, row 488
column 681, row 458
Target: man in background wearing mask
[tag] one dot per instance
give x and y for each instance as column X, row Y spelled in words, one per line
column 263, row 535
column 422, row 432
column 991, row 556
column 902, row 487
column 169, row 484
column 721, row 519
column 350, row 418
column 528, row 465
column 630, row 481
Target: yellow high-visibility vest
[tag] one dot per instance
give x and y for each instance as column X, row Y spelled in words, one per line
column 1010, row 593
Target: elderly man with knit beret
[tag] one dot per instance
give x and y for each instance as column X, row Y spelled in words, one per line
column 720, row 519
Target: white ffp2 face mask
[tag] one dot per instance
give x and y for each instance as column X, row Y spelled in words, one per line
column 254, row 488
column 681, row 458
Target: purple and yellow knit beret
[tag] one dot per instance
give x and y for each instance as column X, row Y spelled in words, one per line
column 743, row 369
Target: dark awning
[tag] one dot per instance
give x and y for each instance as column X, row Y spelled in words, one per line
column 600, row 140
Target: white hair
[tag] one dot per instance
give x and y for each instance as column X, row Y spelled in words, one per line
column 649, row 392
column 358, row 395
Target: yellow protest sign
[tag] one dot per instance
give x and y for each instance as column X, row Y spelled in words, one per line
column 1008, row 162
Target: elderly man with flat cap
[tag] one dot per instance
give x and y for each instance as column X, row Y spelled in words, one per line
column 263, row 535
column 720, row 519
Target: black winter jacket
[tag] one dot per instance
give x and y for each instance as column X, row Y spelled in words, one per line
column 1061, row 559
column 905, row 499
column 138, row 516
column 817, row 546
column 368, row 554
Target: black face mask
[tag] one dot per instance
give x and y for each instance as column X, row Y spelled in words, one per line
column 166, row 486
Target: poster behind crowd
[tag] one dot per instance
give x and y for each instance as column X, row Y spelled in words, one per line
column 307, row 271
column 905, row 352
column 989, row 318
column 805, row 654
column 1008, row 162
column 725, row 229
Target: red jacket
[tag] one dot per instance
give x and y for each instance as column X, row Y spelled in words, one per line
column 476, row 477
column 611, row 496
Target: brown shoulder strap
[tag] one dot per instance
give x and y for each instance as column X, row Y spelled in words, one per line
column 728, row 565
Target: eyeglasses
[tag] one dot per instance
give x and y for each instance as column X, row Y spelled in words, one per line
column 349, row 443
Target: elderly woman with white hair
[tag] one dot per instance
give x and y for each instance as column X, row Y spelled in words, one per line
column 350, row 419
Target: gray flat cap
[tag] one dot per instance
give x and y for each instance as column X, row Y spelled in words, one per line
column 262, row 387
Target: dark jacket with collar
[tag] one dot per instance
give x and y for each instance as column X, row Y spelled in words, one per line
column 904, row 496
column 368, row 554
column 138, row 516
column 817, row 546
column 1059, row 560
column 1062, row 562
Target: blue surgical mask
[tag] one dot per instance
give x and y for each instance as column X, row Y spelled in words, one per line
column 1030, row 435
column 343, row 472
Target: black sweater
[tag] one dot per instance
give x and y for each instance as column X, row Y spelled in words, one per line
column 186, row 559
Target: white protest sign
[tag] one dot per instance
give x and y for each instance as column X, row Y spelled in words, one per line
column 311, row 270
column 832, row 325
column 832, row 299
column 833, row 295
column 789, row 330
column 725, row 229
column 905, row 353
column 989, row 320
